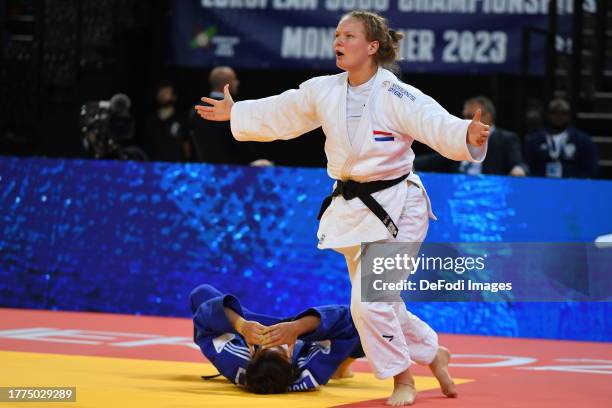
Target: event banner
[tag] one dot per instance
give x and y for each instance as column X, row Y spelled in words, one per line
column 440, row 36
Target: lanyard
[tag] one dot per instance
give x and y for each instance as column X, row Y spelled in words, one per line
column 554, row 149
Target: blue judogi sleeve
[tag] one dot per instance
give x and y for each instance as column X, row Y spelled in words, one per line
column 325, row 348
column 206, row 292
column 218, row 340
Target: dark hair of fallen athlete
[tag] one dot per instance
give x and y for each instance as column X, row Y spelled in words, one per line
column 269, row 372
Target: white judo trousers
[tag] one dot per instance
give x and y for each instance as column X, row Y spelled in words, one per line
column 413, row 340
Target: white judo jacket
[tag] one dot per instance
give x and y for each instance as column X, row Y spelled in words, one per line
column 395, row 115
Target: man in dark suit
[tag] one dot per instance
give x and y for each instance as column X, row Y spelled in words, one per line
column 213, row 141
column 504, row 152
column 561, row 150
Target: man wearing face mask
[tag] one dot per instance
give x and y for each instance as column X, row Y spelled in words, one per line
column 560, row 150
column 167, row 138
column 267, row 354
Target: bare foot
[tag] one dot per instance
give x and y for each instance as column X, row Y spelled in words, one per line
column 439, row 368
column 404, row 392
column 344, row 370
column 347, row 373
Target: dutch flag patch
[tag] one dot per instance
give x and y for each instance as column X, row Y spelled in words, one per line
column 381, row 136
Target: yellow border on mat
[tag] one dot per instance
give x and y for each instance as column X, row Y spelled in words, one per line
column 121, row 382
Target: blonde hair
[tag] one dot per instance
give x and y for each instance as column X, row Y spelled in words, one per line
column 377, row 29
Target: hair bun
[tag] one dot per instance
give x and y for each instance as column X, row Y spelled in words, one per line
column 395, row 36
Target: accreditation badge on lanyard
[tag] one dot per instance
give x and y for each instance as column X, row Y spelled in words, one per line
column 554, row 168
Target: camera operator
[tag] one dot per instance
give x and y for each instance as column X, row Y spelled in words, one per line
column 108, row 128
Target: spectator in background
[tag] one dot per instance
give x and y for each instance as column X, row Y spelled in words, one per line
column 504, row 153
column 166, row 136
column 434, row 162
column 213, row 141
column 560, row 150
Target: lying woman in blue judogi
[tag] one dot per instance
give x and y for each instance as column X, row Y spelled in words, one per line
column 269, row 354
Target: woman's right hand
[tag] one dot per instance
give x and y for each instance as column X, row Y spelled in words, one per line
column 220, row 110
column 252, row 331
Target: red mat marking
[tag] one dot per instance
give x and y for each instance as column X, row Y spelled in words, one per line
column 539, row 373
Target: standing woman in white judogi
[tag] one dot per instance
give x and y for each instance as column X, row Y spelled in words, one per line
column 370, row 119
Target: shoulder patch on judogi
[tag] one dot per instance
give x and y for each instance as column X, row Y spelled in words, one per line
column 401, row 92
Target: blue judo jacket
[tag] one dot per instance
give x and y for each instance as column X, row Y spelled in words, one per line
column 316, row 354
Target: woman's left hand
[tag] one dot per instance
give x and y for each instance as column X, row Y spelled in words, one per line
column 281, row 333
column 478, row 132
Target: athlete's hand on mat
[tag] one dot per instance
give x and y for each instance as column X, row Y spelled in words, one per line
column 281, row 333
column 219, row 110
column 252, row 331
column 477, row 132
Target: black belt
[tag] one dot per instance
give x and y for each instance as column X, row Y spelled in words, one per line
column 351, row 189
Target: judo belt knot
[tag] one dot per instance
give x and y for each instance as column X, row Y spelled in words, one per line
column 351, row 189
column 348, row 189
